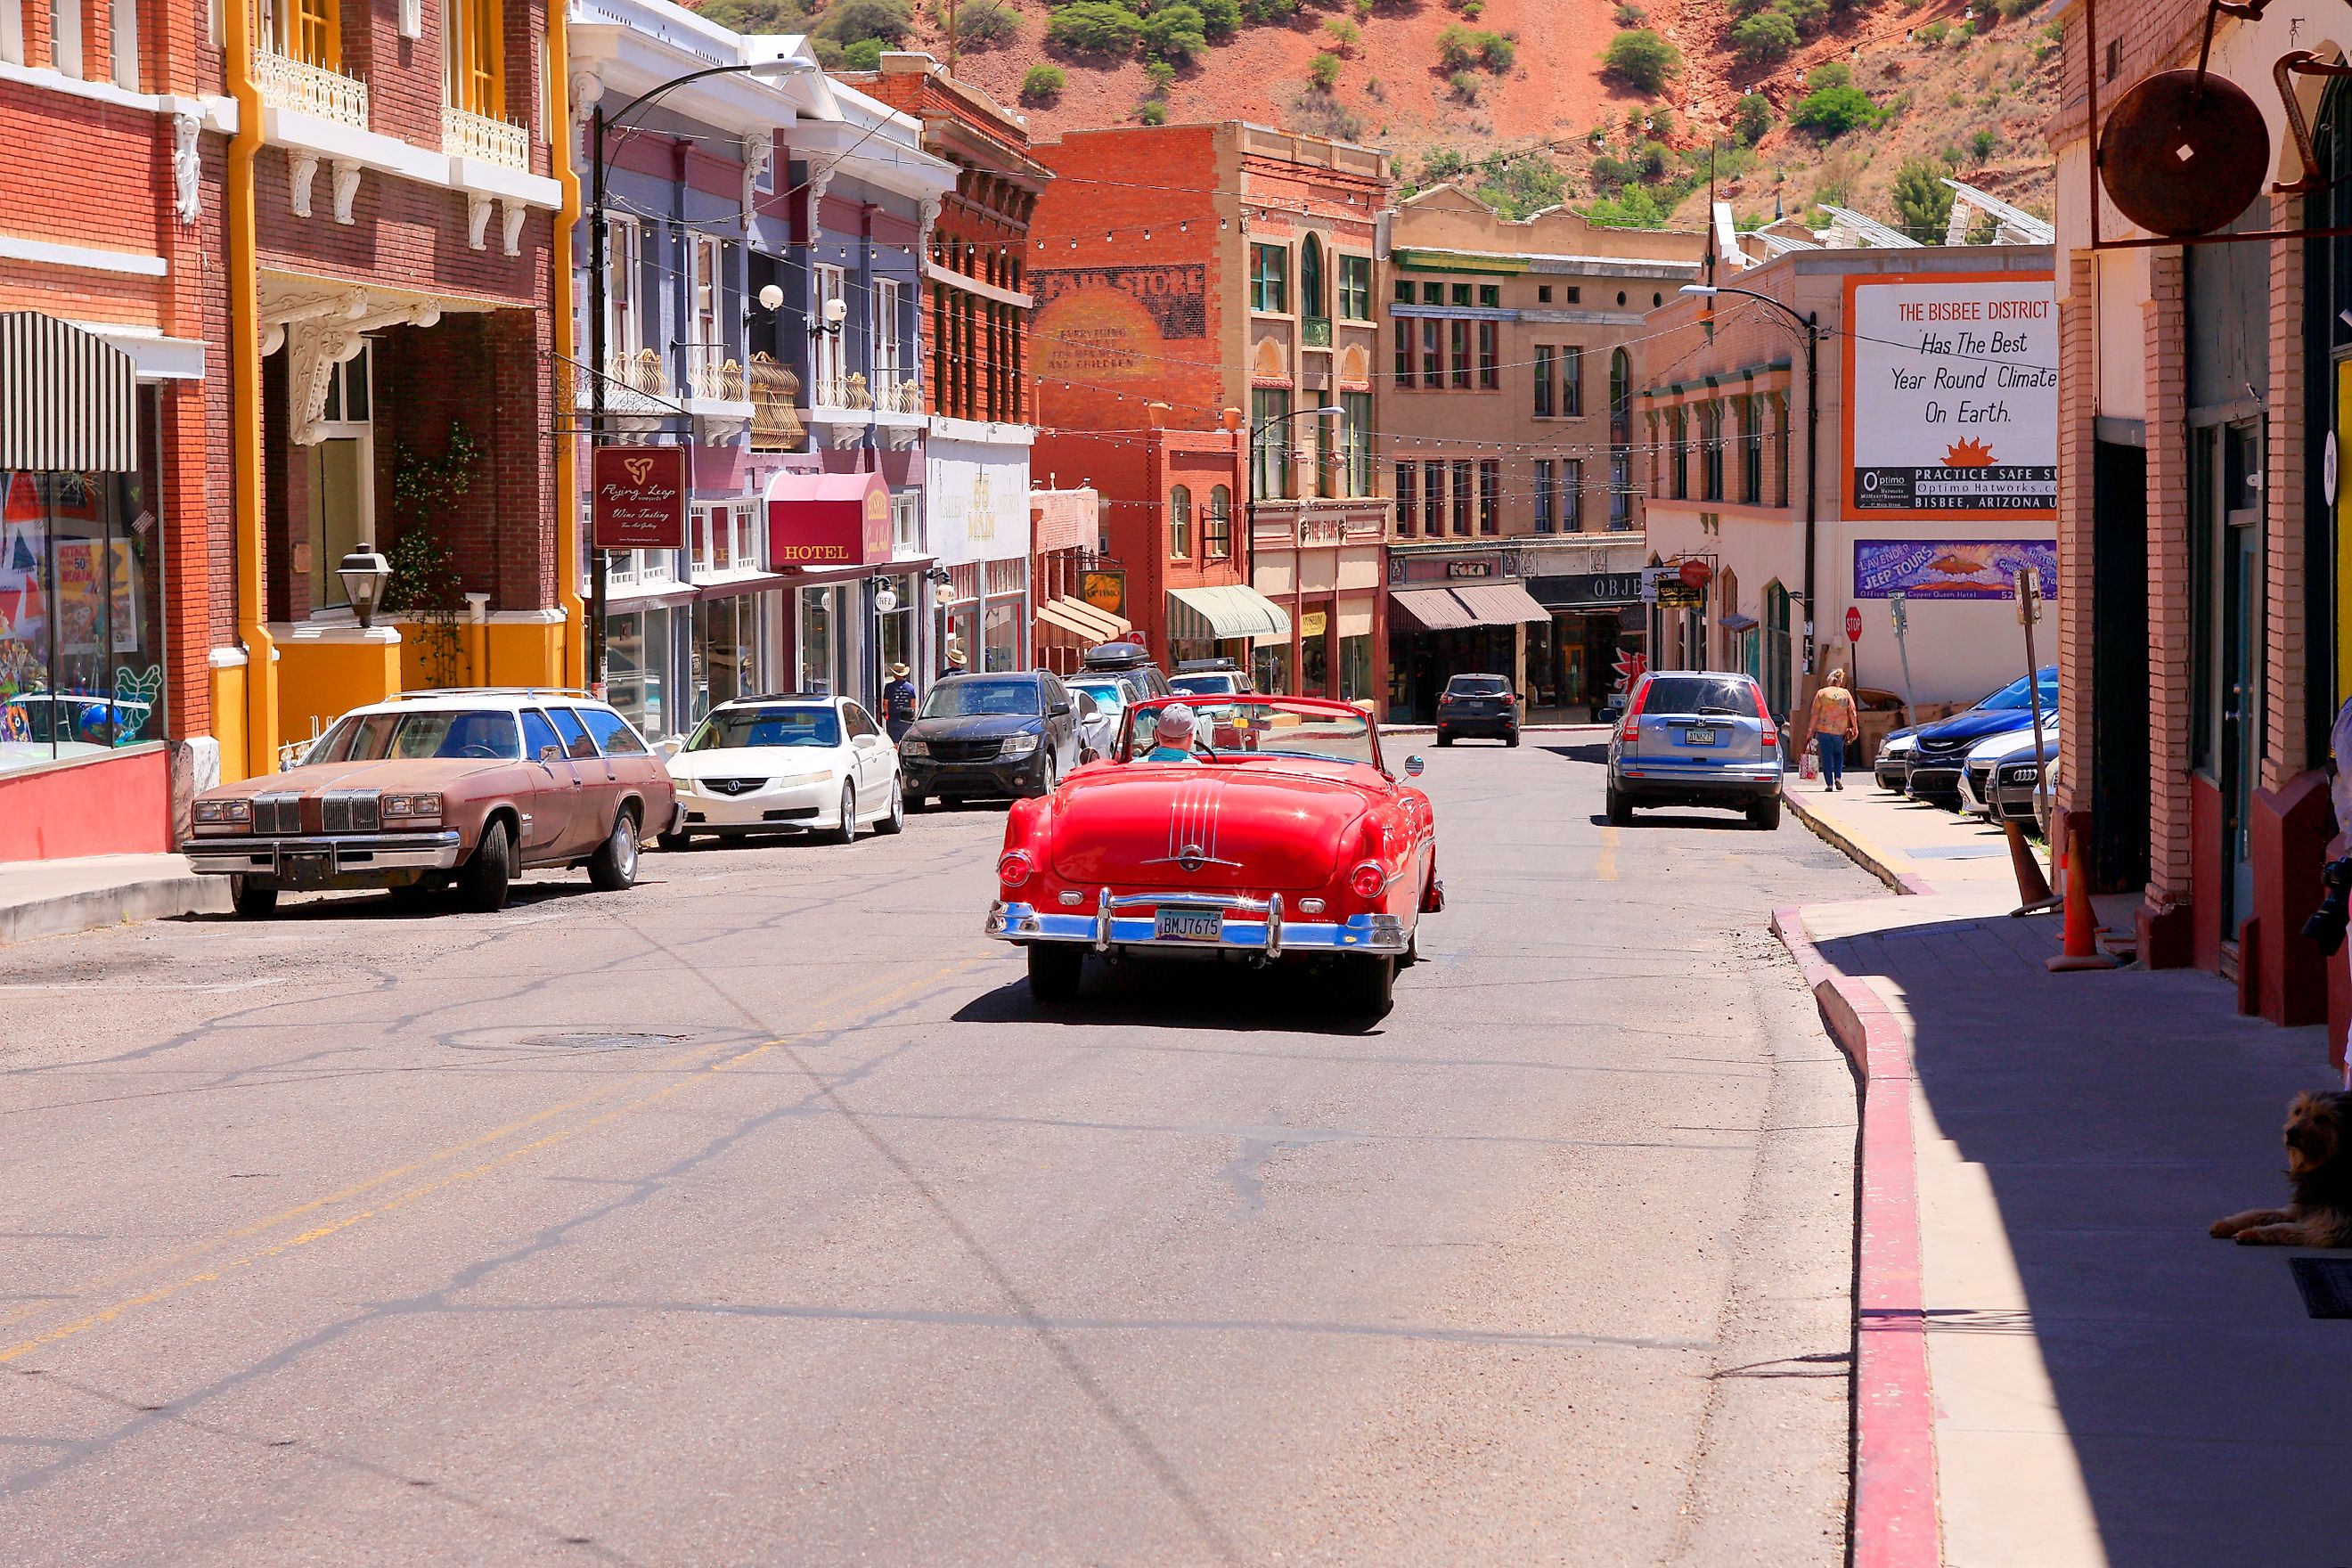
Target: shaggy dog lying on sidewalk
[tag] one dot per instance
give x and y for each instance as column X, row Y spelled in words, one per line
column 2320, row 1171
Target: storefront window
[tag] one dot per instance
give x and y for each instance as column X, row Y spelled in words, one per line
column 1002, row 647
column 896, row 628
column 1315, row 653
column 637, row 661
column 726, row 650
column 81, row 635
column 1270, row 667
column 1356, row 669
column 816, row 642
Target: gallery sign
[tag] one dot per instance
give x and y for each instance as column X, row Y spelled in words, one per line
column 1923, row 569
column 640, row 503
column 1952, row 395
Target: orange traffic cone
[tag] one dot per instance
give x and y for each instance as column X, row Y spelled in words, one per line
column 2032, row 886
column 2082, row 937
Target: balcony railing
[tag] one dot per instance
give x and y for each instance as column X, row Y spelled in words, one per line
column 775, row 396
column 1316, row 331
column 285, row 82
column 466, row 134
column 899, row 396
column 843, row 392
column 719, row 380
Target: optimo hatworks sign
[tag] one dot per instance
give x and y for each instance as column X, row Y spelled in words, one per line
column 1951, row 406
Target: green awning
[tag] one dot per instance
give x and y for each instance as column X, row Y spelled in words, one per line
column 1223, row 612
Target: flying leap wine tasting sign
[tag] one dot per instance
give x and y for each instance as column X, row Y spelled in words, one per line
column 1952, row 395
column 640, row 498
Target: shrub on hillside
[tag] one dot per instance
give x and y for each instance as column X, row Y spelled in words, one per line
column 1152, row 111
column 1466, row 86
column 1460, row 48
column 1220, row 19
column 1323, row 73
column 1043, row 84
column 1765, row 39
column 1752, row 118
column 1923, row 202
column 1641, row 58
column 865, row 54
column 985, row 24
column 1174, row 33
column 848, row 22
column 1831, row 111
column 1094, row 27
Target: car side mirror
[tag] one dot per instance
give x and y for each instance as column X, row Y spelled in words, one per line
column 1414, row 767
column 550, row 754
column 1059, row 711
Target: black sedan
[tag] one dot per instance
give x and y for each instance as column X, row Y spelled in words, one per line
column 990, row 737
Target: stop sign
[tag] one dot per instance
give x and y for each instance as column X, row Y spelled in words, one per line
column 1854, row 623
column 1695, row 573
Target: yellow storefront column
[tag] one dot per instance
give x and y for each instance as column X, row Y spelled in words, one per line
column 228, row 712
column 527, row 648
column 328, row 671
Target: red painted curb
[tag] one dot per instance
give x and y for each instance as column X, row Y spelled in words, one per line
column 1896, row 1519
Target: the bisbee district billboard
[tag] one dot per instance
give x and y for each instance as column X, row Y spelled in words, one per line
column 1952, row 405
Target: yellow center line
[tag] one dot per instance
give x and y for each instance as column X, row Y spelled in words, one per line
column 866, row 1009
column 1604, row 868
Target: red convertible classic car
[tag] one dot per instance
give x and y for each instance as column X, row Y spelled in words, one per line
column 1267, row 827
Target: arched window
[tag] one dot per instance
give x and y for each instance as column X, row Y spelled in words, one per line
column 1180, row 525
column 1220, row 540
column 1312, row 302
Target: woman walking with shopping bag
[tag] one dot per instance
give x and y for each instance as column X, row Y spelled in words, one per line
column 1833, row 721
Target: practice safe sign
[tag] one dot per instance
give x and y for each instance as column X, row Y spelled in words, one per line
column 1952, row 395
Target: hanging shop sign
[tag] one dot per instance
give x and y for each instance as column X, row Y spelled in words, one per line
column 1601, row 588
column 640, row 501
column 1955, row 404
column 1104, row 590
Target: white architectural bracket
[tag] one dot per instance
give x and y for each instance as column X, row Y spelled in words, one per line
column 926, row 214
column 302, row 167
column 318, row 343
column 513, row 213
column 346, row 186
column 759, row 148
column 587, row 91
column 477, row 217
column 818, row 180
column 187, row 169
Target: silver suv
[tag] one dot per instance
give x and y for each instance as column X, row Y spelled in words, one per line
column 1696, row 738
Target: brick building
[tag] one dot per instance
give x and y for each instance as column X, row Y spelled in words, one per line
column 108, row 297
column 976, row 505
column 2202, row 537
column 1507, row 430
column 1200, row 285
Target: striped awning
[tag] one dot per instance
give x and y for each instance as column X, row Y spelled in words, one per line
column 1090, row 623
column 69, row 399
column 1431, row 609
column 1228, row 611
column 1499, row 604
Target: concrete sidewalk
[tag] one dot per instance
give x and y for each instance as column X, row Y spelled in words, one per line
column 2102, row 1382
column 52, row 898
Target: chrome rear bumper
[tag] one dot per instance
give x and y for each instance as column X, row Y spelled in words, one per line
column 1249, row 925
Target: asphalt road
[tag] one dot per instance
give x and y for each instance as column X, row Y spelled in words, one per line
column 754, row 1216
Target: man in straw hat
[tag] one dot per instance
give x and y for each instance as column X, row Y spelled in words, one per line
column 899, row 703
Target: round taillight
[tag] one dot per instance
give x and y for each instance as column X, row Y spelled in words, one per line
column 1016, row 867
column 1368, row 880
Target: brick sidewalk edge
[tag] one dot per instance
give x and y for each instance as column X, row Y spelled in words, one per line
column 1853, row 848
column 1894, row 1518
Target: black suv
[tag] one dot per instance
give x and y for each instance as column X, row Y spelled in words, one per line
column 1479, row 705
column 989, row 736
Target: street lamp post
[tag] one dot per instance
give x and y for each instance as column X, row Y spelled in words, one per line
column 598, row 234
column 1811, row 323
column 1249, row 488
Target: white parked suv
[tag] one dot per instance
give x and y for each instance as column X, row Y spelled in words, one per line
column 789, row 763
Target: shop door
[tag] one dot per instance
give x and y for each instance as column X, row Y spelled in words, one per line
column 2240, row 623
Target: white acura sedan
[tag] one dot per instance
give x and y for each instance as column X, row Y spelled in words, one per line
column 770, row 764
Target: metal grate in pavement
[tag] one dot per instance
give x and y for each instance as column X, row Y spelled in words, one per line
column 2326, row 1284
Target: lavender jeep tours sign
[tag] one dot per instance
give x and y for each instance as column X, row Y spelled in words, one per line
column 1951, row 568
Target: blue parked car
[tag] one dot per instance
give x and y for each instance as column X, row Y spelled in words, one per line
column 1941, row 748
column 1696, row 738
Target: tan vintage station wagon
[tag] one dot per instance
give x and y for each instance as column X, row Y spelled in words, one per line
column 439, row 788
